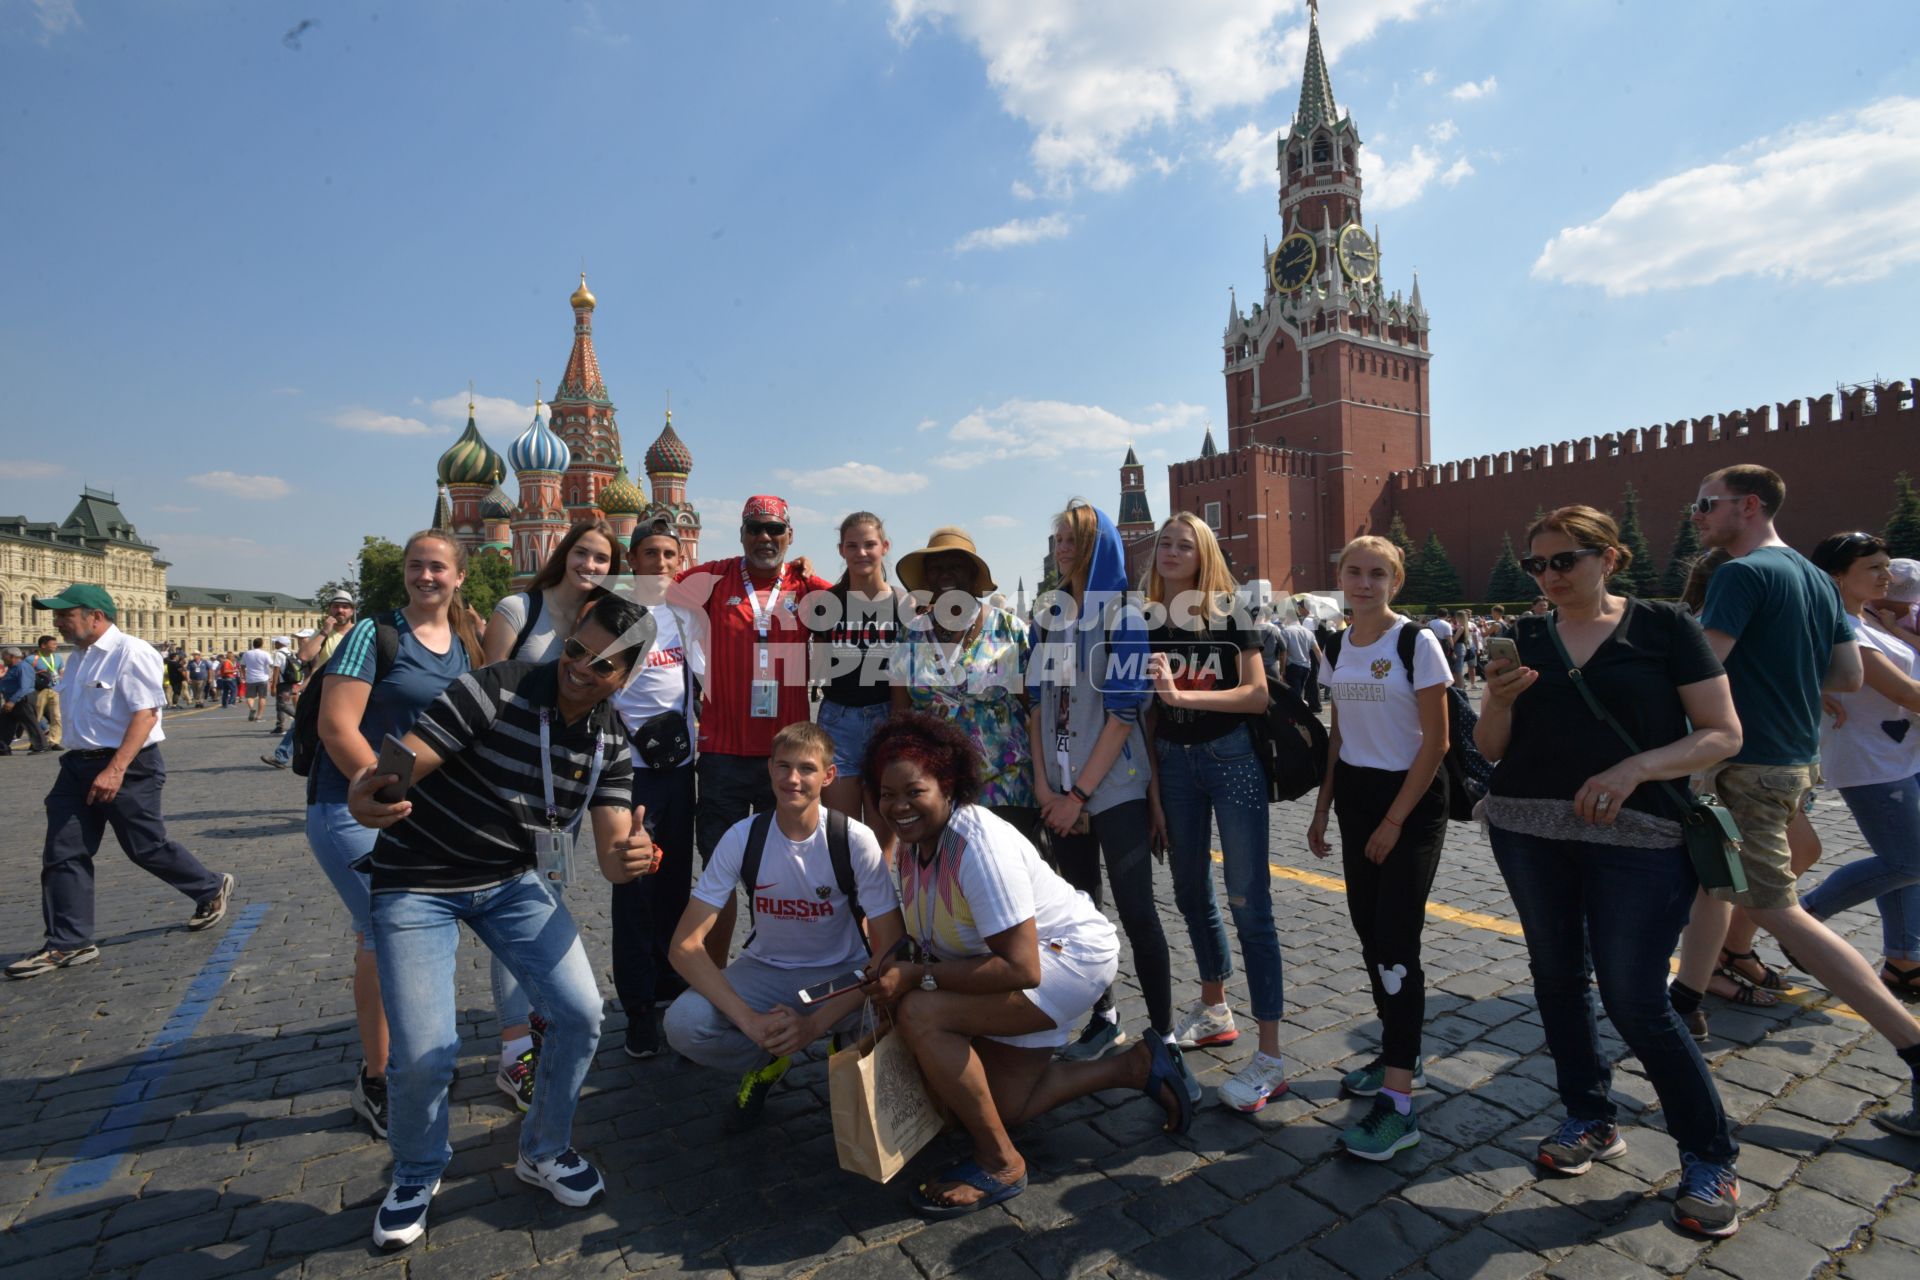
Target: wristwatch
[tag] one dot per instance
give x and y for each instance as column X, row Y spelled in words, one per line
column 1079, row 795
column 926, row 977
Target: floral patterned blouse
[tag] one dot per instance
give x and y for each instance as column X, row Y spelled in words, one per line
column 978, row 689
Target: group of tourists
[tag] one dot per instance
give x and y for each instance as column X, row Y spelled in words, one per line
column 934, row 845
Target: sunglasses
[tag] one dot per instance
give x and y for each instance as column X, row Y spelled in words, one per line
column 772, row 528
column 600, row 666
column 1559, row 562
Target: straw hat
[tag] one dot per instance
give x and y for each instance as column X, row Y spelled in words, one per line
column 946, row 538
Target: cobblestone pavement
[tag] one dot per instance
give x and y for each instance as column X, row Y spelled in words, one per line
column 180, row 1108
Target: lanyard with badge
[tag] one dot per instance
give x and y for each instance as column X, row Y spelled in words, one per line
column 765, row 701
column 553, row 848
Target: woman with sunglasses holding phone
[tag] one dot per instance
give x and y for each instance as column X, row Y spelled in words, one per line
column 1870, row 751
column 1587, row 832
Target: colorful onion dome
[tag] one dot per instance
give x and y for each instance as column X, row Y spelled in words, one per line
column 496, row 505
column 669, row 452
column 582, row 297
column 622, row 497
column 471, row 460
column 538, row 449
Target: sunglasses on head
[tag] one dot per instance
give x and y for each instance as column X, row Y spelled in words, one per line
column 600, row 666
column 772, row 528
column 1559, row 561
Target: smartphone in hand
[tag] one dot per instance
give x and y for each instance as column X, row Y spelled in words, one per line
column 832, row 987
column 396, row 758
column 1503, row 649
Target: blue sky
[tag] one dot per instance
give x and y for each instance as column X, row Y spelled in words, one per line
column 939, row 258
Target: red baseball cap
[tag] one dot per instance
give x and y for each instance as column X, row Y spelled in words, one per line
column 764, row 506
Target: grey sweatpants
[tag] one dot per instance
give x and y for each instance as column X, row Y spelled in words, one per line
column 701, row 1033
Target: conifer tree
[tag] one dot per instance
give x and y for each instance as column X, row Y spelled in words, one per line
column 1430, row 577
column 1509, row 581
column 1397, row 535
column 1903, row 522
column 1639, row 579
column 1686, row 549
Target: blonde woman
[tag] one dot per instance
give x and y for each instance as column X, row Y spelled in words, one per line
column 1208, row 681
column 1389, row 678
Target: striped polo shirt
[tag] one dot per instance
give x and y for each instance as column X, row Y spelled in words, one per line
column 474, row 817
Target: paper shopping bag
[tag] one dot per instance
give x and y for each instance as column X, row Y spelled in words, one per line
column 882, row 1112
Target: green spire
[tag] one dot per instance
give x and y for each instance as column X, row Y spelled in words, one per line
column 1316, row 87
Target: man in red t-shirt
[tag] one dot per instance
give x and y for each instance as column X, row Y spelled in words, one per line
column 756, row 674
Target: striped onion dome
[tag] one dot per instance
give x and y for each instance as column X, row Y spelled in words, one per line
column 622, row 497
column 471, row 460
column 496, row 505
column 538, row 449
column 669, row 452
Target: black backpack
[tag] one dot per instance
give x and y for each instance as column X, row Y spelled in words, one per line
column 1289, row 740
column 306, row 712
column 1468, row 772
column 536, row 601
column 839, row 848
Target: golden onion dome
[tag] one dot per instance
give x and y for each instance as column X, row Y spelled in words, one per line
column 622, row 497
column 583, row 297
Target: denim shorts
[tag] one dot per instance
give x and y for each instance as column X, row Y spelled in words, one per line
column 338, row 842
column 851, row 728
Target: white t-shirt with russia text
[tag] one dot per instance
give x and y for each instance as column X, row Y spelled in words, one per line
column 800, row 918
column 662, row 681
column 1378, row 713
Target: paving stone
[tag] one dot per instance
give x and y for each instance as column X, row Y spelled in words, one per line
column 1088, row 1243
column 1816, row 1217
column 1598, row 1262
column 1763, row 1252
column 1648, row 1237
column 946, row 1246
column 1454, row 1198
column 1854, row 1177
column 1385, row 1239
column 1465, row 1121
column 1483, row 1255
column 1194, row 1251
column 1274, row 1222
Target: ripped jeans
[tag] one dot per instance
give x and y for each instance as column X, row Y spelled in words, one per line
column 1222, row 781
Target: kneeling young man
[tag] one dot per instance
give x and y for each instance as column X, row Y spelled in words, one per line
column 507, row 761
column 749, row 1017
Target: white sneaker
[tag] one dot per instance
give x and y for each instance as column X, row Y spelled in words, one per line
column 402, row 1216
column 1261, row 1079
column 568, row 1176
column 1197, row 1025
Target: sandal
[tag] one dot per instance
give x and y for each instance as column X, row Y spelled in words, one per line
column 1729, row 967
column 1170, row 1073
column 967, row 1173
column 1904, row 984
column 1746, row 993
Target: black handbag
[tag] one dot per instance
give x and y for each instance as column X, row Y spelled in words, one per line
column 1712, row 838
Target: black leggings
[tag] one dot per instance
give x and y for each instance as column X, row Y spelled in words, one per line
column 1388, row 902
column 1121, row 833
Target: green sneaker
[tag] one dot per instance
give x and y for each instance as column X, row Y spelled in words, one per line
column 1365, row 1082
column 1382, row 1133
column 751, row 1100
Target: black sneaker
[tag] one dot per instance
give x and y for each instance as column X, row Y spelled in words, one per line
column 537, row 1028
column 370, row 1102
column 1577, row 1144
column 214, row 909
column 750, row 1100
column 643, row 1036
column 516, row 1079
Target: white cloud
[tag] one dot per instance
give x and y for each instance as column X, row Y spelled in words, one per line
column 1019, row 231
column 1021, row 191
column 999, row 522
column 27, row 469
column 173, row 509
column 235, row 485
column 855, row 477
column 1094, row 78
column 1047, row 429
column 1443, row 132
column 490, row 413
column 56, row 18
column 359, row 418
column 926, row 424
column 1249, row 156
column 1392, row 185
column 1473, row 91
column 1834, row 201
column 1430, row 75
column 1457, row 172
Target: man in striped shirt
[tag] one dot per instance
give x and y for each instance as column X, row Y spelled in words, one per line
column 507, row 761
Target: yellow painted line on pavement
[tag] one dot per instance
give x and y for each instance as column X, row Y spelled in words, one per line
column 1807, row 998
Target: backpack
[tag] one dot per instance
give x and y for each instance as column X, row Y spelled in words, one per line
column 535, row 601
column 1468, row 772
column 1289, row 740
column 292, row 671
column 839, row 848
column 306, row 712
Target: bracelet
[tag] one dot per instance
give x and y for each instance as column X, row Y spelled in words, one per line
column 1390, row 821
column 1319, row 812
column 1079, row 795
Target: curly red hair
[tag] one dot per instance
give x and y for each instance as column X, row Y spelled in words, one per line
column 938, row 746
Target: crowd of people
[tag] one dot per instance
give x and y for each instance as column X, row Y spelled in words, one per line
column 933, row 845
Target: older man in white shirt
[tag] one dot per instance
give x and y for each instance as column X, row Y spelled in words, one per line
column 111, row 775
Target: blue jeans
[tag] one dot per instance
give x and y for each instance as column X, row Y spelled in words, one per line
column 851, row 728
column 1221, row 781
column 284, row 752
column 1594, row 911
column 416, row 936
column 1888, row 815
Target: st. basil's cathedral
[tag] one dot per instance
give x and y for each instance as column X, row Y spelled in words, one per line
column 569, row 467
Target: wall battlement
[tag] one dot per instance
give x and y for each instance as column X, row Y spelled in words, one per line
column 1255, row 459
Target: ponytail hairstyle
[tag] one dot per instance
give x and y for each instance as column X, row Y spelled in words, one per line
column 854, row 521
column 459, row 616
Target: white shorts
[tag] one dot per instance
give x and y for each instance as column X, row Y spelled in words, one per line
column 1070, row 985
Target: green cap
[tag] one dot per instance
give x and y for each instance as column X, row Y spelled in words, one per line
column 81, row 595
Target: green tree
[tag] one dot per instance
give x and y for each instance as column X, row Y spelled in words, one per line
column 1903, row 522
column 489, row 577
column 348, row 582
column 1509, row 581
column 1430, row 578
column 383, row 584
column 1397, row 535
column 1686, row 547
column 1640, row 578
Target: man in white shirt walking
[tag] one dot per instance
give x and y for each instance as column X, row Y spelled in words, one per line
column 111, row 775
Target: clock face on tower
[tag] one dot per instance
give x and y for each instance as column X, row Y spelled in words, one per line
column 1292, row 263
column 1358, row 256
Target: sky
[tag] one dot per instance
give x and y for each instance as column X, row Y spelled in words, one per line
column 941, row 259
